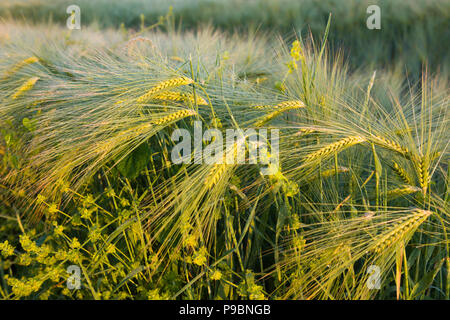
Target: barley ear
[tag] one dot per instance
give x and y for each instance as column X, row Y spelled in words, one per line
column 423, row 173
column 400, row 231
column 335, row 147
column 164, row 85
column 177, row 96
column 27, row 86
column 402, row 173
column 20, row 65
column 400, row 192
column 279, row 109
column 391, row 145
column 174, row 117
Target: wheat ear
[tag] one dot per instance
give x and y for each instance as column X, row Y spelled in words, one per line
column 181, row 81
column 177, row 96
column 174, row 117
column 262, row 107
column 400, row 230
column 295, row 104
column 422, row 173
column 219, row 169
column 332, row 172
column 28, row 85
column 400, row 192
column 287, row 104
column 103, row 147
column 334, row 147
column 214, row 175
column 20, row 65
column 389, row 144
column 329, row 173
column 402, row 173
column 279, row 109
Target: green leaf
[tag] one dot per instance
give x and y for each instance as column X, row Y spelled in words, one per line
column 27, row 123
column 135, row 162
column 7, row 138
column 426, row 281
column 130, row 276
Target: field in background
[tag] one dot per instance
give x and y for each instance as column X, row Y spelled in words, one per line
column 413, row 32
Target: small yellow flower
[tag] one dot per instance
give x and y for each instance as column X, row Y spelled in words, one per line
column 27, row 244
column 154, row 295
column 53, row 208
column 216, row 275
column 65, row 187
column 6, row 249
column 89, row 199
column 123, row 295
column 25, row 259
column 75, row 243
column 60, row 255
column 66, row 292
column 58, row 230
column 255, row 292
column 45, row 295
column 124, row 202
column 292, row 65
column 85, row 213
column 200, row 257
column 110, row 193
column 185, row 226
column 43, row 253
column 40, row 198
column 190, row 241
column 94, row 235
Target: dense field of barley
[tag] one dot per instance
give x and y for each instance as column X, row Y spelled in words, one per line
column 350, row 202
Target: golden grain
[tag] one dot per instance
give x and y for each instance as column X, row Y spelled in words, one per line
column 402, row 174
column 279, row 109
column 334, row 147
column 178, row 96
column 181, row 81
column 20, row 65
column 400, row 230
column 28, row 85
column 389, row 144
column 174, row 117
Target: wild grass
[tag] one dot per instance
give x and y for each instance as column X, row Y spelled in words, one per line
column 86, row 176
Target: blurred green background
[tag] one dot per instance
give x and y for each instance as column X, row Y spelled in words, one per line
column 413, row 33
